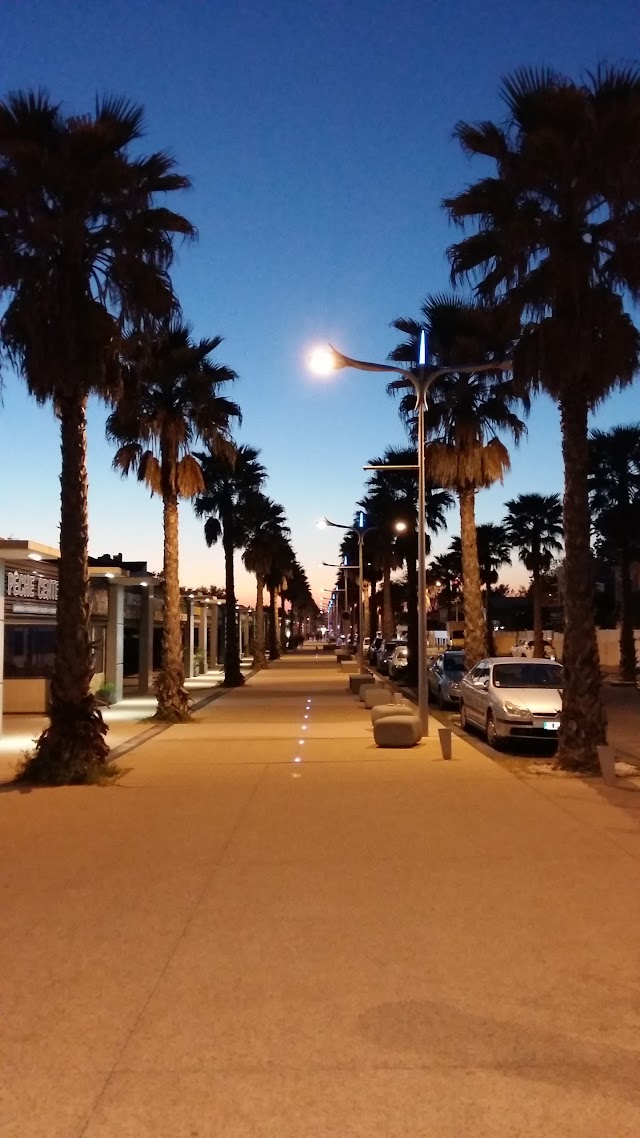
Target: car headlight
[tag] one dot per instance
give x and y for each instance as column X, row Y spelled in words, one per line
column 516, row 711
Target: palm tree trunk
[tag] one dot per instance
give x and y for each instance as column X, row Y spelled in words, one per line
column 283, row 624
column 536, row 590
column 583, row 724
column 73, row 748
column 627, row 638
column 489, row 623
column 475, row 629
column 274, row 651
column 388, row 623
column 412, row 612
column 373, row 610
column 259, row 655
column 173, row 699
column 233, row 677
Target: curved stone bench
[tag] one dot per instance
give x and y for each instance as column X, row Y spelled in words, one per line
column 373, row 694
column 382, row 710
column 397, row 731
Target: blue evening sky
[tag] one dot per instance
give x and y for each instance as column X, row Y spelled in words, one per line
column 318, row 138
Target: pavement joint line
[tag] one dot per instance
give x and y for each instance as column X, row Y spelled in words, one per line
column 217, row 865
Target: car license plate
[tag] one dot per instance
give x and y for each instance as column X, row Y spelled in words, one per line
column 551, row 724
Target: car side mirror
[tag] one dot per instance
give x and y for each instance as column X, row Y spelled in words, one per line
column 485, row 685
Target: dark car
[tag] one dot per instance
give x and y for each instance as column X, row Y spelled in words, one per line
column 385, row 653
column 444, row 676
column 374, row 647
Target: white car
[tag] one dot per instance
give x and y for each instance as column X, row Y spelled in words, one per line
column 512, row 699
column 524, row 649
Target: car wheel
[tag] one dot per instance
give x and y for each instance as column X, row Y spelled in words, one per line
column 493, row 738
column 464, row 722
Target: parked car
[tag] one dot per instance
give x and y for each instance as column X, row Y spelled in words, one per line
column 524, row 648
column 385, row 653
column 374, row 647
column 365, row 646
column 512, row 699
column 444, row 678
column 399, row 662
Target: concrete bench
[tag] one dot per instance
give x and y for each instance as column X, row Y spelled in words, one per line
column 397, row 731
column 383, row 710
column 373, row 694
column 358, row 681
column 351, row 667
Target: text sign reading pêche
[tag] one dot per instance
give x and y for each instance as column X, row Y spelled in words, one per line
column 31, row 586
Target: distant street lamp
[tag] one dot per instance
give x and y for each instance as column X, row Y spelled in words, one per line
column 360, row 531
column 324, row 360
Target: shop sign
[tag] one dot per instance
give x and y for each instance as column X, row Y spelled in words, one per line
column 30, row 587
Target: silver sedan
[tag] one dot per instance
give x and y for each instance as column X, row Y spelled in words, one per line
column 512, row 699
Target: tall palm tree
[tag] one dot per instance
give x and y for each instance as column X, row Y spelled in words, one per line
column 614, row 491
column 464, row 414
column 266, row 527
column 534, row 527
column 230, row 482
column 170, row 402
column 556, row 234
column 403, row 487
column 85, row 255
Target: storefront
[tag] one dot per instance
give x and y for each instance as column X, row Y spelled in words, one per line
column 29, row 583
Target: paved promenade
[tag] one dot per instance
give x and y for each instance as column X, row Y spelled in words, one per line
column 230, row 943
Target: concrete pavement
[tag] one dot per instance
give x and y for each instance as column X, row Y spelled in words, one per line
column 127, row 719
column 229, row 943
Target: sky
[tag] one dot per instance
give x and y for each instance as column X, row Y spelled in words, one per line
column 318, row 137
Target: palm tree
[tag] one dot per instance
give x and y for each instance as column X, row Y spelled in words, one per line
column 171, row 401
column 614, row 490
column 445, row 572
column 230, row 482
column 494, row 551
column 85, row 255
column 464, row 413
column 266, row 526
column 557, row 236
column 282, row 559
column 534, row 527
column 403, row 488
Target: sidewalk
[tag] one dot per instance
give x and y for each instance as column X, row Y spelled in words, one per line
column 127, row 719
column 232, row 944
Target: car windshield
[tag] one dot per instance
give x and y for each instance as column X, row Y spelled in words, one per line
column 453, row 662
column 527, row 676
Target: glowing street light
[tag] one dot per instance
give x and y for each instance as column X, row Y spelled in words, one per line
column 323, row 361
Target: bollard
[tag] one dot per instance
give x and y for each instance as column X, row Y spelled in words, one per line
column 444, row 734
column 607, row 760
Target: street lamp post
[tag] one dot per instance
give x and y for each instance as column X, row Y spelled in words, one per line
column 325, row 360
column 360, row 531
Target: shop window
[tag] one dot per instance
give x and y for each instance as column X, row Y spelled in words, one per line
column 28, row 651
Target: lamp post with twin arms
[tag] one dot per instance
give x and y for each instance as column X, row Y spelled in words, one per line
column 328, row 359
